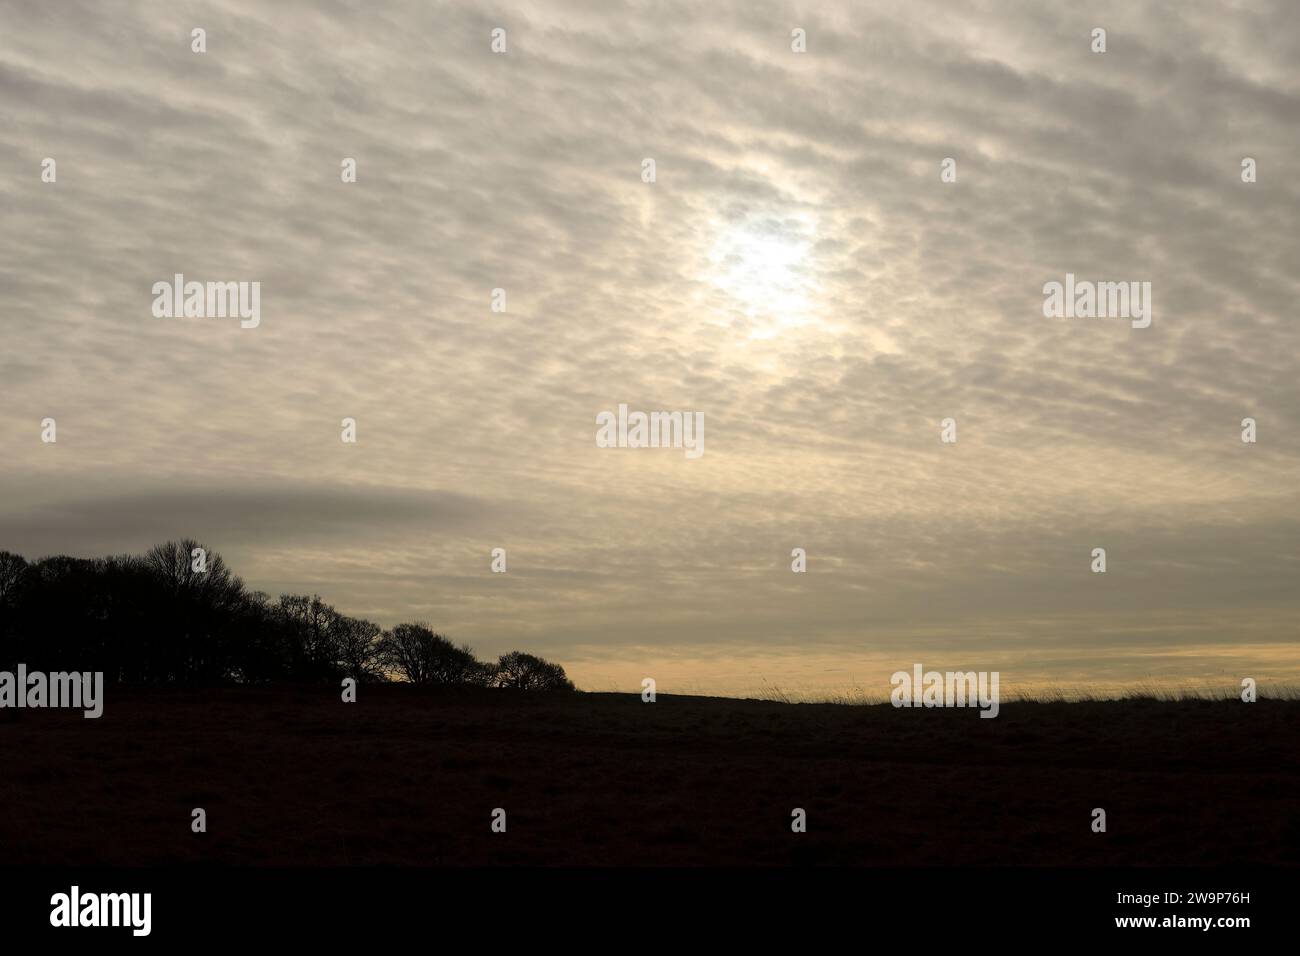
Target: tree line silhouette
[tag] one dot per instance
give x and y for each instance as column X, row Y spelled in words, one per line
column 178, row 615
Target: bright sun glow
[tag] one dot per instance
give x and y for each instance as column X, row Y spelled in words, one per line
column 765, row 269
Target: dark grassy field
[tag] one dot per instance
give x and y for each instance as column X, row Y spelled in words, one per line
column 406, row 776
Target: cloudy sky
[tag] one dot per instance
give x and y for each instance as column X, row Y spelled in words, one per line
column 797, row 271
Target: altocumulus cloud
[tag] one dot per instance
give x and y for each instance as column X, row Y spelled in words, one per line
column 797, row 272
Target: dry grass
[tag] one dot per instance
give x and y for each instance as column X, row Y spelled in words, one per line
column 410, row 776
column 1040, row 693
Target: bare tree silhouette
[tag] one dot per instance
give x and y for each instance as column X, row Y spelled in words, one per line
column 423, row 657
column 525, row 672
column 179, row 614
